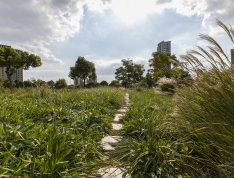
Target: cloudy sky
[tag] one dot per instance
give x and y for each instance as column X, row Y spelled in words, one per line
column 106, row 31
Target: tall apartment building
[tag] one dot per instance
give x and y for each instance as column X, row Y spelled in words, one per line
column 232, row 56
column 19, row 72
column 165, row 47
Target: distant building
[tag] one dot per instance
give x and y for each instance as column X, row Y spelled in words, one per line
column 77, row 81
column 165, row 47
column 19, row 72
column 232, row 56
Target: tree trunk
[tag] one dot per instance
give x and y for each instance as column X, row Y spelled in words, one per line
column 84, row 83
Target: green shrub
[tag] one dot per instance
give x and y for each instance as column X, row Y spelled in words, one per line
column 60, row 84
column 167, row 84
column 168, row 87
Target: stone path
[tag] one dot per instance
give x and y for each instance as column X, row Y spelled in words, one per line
column 113, row 172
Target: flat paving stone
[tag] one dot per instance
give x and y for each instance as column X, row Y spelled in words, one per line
column 111, row 172
column 121, row 110
column 117, row 117
column 109, row 139
column 108, row 147
column 117, row 126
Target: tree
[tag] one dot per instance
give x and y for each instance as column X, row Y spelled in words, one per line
column 114, row 83
column 160, row 64
column 149, row 79
column 1, row 82
column 19, row 83
column 38, row 82
column 28, row 83
column 61, row 83
column 10, row 59
column 129, row 72
column 50, row 83
column 161, row 61
column 83, row 69
column 104, row 83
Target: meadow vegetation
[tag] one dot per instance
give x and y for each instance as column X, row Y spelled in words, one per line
column 194, row 137
column 54, row 133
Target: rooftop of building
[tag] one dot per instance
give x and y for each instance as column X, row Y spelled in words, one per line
column 164, row 42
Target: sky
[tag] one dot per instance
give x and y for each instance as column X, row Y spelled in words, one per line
column 107, row 31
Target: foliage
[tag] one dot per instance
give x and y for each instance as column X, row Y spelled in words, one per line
column 1, row 82
column 161, row 61
column 206, row 109
column 60, row 84
column 55, row 135
column 115, row 83
column 10, row 59
column 104, row 83
column 149, row 149
column 149, row 79
column 83, row 69
column 28, row 83
column 129, row 72
column 51, row 83
column 93, row 84
column 6, row 84
column 19, row 83
column 167, row 84
column 38, row 82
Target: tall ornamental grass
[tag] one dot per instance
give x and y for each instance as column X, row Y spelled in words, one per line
column 206, row 110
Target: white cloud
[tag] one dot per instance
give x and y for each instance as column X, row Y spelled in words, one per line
column 31, row 25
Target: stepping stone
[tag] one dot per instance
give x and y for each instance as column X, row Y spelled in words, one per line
column 117, row 117
column 108, row 139
column 117, row 126
column 111, row 172
column 105, row 143
column 121, row 110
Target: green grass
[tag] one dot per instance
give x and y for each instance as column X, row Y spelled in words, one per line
column 55, row 133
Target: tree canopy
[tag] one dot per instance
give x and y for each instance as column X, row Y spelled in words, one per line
column 161, row 61
column 104, row 83
column 10, row 59
column 61, row 83
column 83, row 69
column 129, row 72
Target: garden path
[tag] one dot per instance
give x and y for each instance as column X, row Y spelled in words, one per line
column 113, row 172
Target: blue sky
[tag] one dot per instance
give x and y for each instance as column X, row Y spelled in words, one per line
column 105, row 32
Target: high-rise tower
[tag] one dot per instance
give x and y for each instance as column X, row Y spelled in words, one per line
column 165, row 47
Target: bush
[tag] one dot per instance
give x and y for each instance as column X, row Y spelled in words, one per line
column 93, row 85
column 61, row 83
column 168, row 87
column 167, row 84
column 115, row 83
column 104, row 83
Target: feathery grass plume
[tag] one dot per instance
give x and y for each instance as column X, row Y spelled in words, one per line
column 206, row 111
column 167, row 84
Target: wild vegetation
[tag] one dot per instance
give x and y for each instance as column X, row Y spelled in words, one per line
column 54, row 133
column 193, row 138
